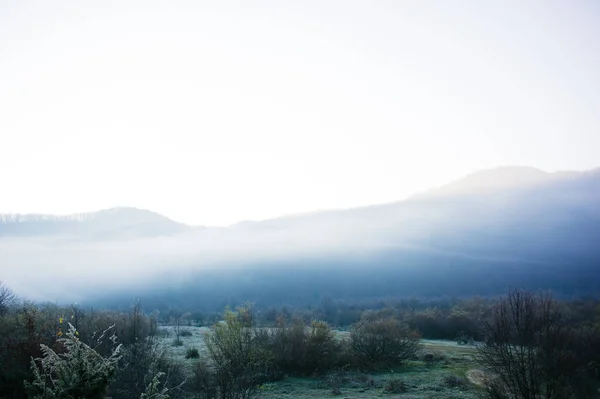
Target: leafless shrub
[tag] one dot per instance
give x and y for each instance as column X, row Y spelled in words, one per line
column 7, row 299
column 384, row 341
column 528, row 345
column 300, row 349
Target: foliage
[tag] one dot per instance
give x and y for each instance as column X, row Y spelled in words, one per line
column 300, row 349
column 153, row 391
column 192, row 353
column 383, row 341
column 203, row 383
column 240, row 359
column 22, row 329
column 139, row 365
column 79, row 372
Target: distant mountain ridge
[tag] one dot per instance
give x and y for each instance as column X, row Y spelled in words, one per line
column 134, row 221
column 498, row 179
column 116, row 222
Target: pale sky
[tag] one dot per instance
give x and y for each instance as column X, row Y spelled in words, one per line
column 212, row 112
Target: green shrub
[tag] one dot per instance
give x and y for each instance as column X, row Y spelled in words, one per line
column 239, row 355
column 177, row 342
column 153, row 390
column 323, row 348
column 192, row 353
column 383, row 342
column 185, row 333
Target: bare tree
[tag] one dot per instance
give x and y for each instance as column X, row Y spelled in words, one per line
column 7, row 298
column 177, row 326
column 525, row 345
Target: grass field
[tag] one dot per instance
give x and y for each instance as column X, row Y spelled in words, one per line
column 446, row 371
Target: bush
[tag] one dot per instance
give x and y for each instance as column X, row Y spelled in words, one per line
column 186, row 333
column 464, row 339
column 177, row 342
column 301, row 350
column 430, row 357
column 22, row 329
column 192, row 353
column 322, row 347
column 336, row 380
column 288, row 344
column 534, row 351
column 80, row 372
column 241, row 361
column 395, row 386
column 203, row 383
column 383, row 342
column 153, row 390
column 139, row 367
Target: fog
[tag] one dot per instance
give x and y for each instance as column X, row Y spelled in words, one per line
column 65, row 268
column 534, row 232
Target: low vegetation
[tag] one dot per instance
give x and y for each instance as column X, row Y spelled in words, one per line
column 78, row 372
column 383, row 341
column 529, row 348
column 192, row 353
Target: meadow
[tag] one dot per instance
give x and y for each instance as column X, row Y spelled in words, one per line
column 443, row 369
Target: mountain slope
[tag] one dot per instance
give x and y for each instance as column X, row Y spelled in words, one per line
column 479, row 235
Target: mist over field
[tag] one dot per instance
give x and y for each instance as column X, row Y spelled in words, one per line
column 479, row 235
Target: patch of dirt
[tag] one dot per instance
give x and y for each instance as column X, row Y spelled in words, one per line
column 478, row 377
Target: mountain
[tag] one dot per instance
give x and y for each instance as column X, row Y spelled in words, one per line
column 496, row 180
column 509, row 226
column 496, row 212
column 114, row 223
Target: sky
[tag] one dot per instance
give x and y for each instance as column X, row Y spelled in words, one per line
column 212, row 112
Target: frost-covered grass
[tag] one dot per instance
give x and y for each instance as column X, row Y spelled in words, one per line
column 420, row 382
column 195, row 340
column 447, row 373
